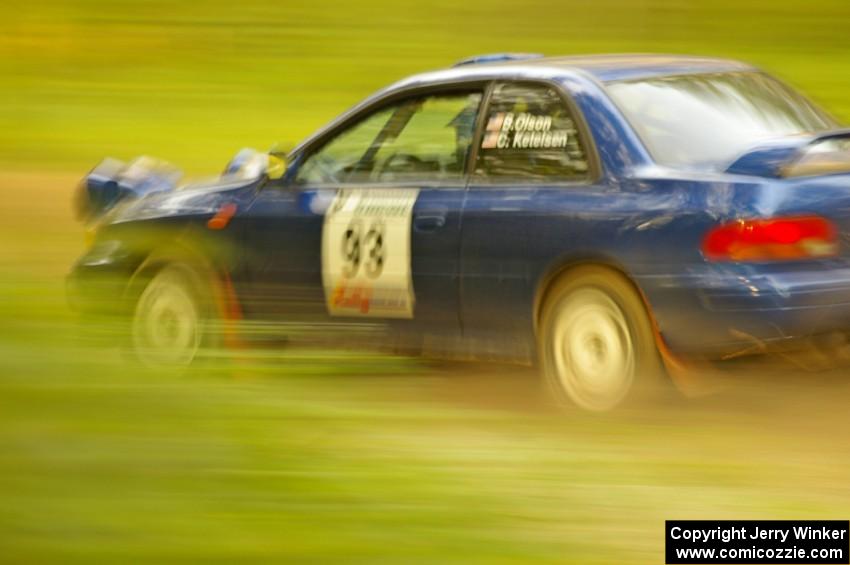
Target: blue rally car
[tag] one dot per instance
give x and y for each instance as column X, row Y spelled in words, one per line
column 602, row 216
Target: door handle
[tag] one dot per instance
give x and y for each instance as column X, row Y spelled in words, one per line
column 429, row 221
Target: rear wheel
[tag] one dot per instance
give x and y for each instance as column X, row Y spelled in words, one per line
column 596, row 342
column 172, row 320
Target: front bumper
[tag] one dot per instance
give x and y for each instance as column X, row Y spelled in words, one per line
column 96, row 292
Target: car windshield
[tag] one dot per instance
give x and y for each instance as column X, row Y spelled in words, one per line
column 706, row 121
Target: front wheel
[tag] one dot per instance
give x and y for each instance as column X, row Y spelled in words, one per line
column 172, row 319
column 595, row 340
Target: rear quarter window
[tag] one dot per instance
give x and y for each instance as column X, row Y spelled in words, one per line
column 530, row 133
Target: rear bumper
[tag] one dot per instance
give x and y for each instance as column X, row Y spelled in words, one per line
column 716, row 310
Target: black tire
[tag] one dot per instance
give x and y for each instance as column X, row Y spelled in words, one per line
column 595, row 341
column 174, row 322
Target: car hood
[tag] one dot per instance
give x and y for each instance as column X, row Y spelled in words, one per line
column 196, row 199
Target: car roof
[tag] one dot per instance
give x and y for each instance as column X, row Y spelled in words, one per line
column 603, row 68
column 613, row 67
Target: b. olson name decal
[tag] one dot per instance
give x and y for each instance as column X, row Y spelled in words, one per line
column 509, row 130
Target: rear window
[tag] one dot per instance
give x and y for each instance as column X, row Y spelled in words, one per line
column 706, row 121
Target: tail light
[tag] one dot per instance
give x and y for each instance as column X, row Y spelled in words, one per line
column 773, row 239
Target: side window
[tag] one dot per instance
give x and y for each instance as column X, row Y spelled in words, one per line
column 341, row 155
column 425, row 138
column 530, row 133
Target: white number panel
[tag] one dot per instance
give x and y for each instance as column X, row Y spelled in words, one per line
column 366, row 253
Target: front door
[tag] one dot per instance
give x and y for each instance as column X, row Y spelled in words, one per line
column 369, row 226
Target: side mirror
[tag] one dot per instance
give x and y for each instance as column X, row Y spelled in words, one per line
column 250, row 164
column 277, row 162
column 276, row 166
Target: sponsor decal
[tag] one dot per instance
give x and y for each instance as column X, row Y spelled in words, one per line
column 366, row 253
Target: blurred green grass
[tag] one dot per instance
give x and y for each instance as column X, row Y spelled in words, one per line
column 193, row 82
column 311, row 457
column 304, row 456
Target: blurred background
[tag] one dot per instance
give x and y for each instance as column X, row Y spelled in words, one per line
column 305, row 455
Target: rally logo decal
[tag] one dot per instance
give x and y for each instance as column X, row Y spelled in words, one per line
column 366, row 253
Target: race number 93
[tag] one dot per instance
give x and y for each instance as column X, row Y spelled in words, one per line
column 363, row 246
column 366, row 253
